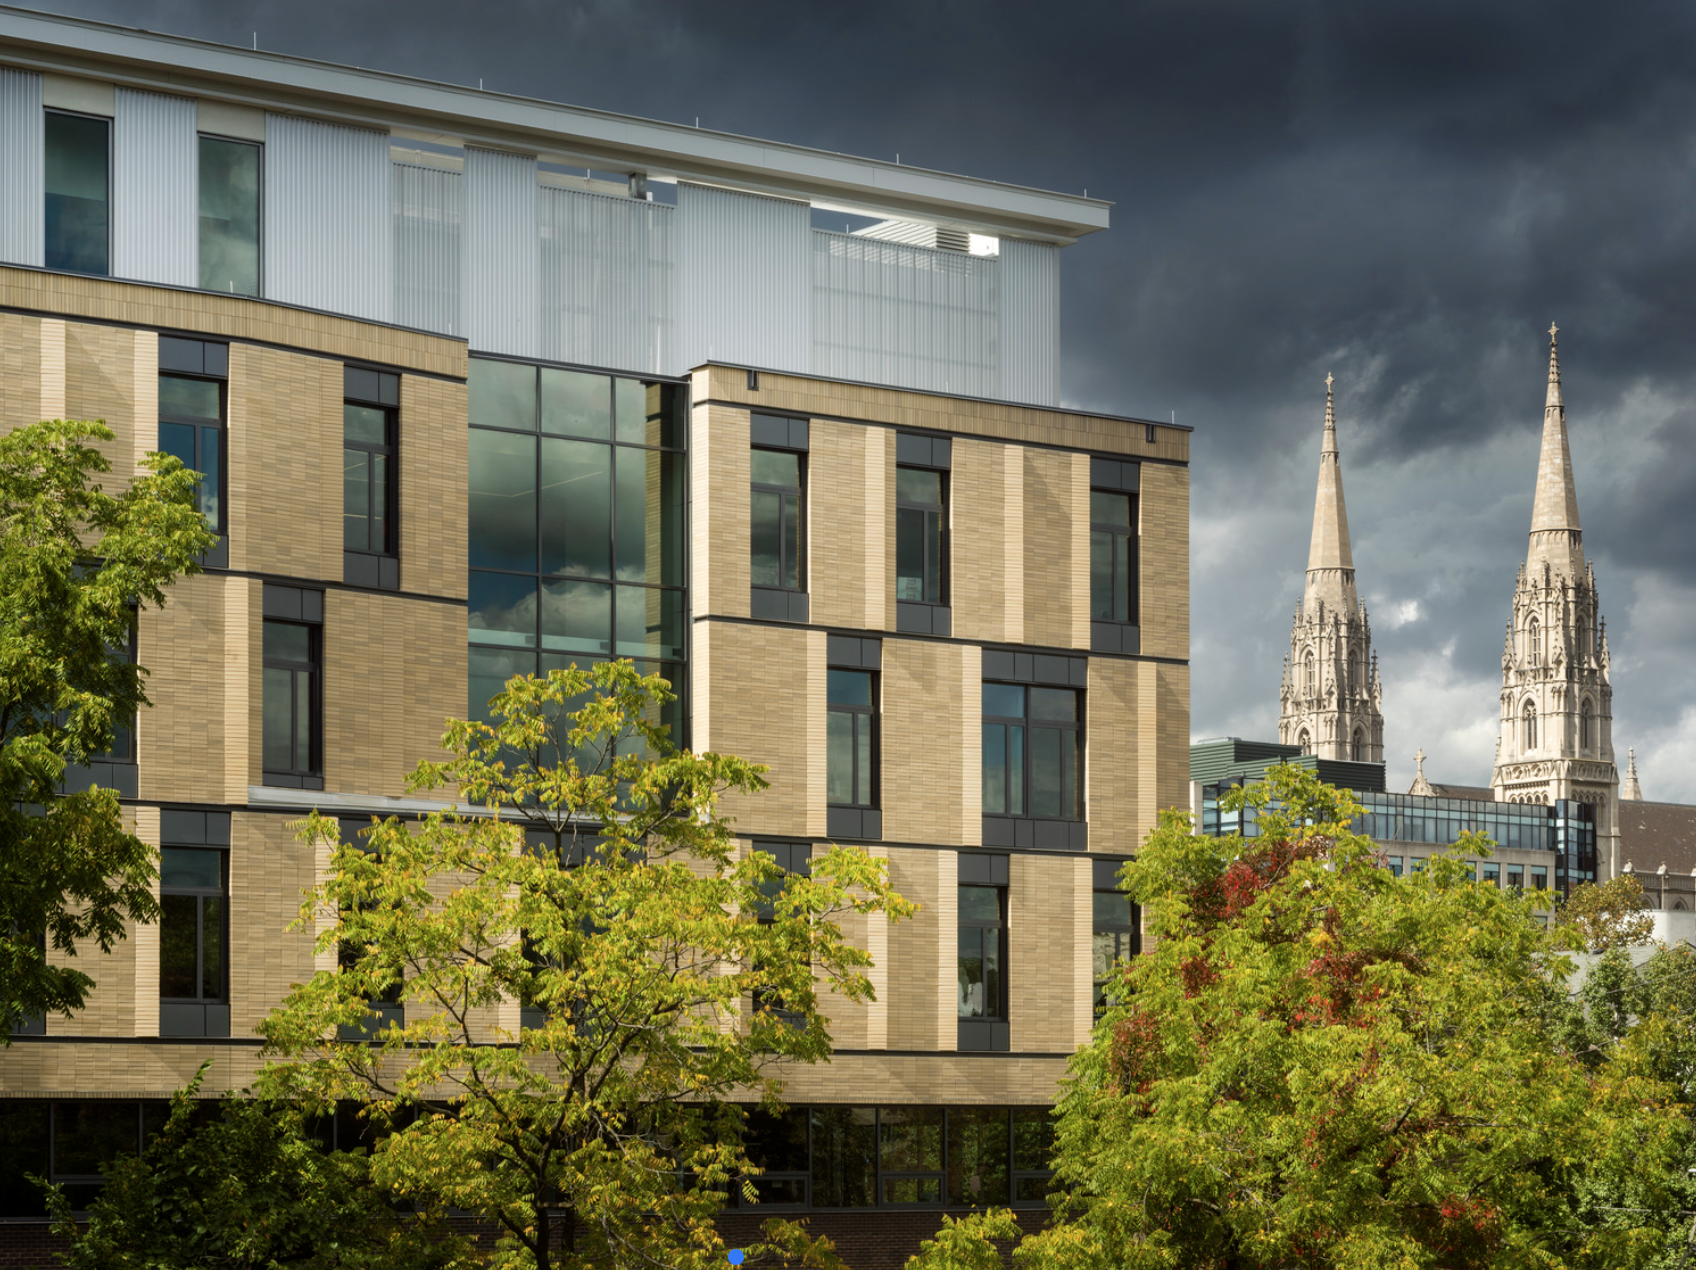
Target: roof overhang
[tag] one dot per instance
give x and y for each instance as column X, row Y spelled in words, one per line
column 598, row 139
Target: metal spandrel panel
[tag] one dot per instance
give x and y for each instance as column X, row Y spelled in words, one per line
column 744, row 293
column 154, row 188
column 911, row 317
column 22, row 175
column 427, row 249
column 608, row 280
column 500, row 254
column 1030, row 322
column 328, row 232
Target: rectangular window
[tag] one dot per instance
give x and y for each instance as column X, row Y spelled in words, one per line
column 777, row 519
column 851, row 738
column 370, row 477
column 777, row 513
column 982, row 958
column 1539, row 878
column 193, row 942
column 1033, row 1154
column 1032, row 752
column 78, row 185
column 1116, row 931
column 844, row 1157
column 777, row 1145
column 576, row 525
column 229, row 216
column 910, row 1155
column 921, row 535
column 1516, row 877
column 1394, row 864
column 1492, row 874
column 983, row 931
column 794, row 858
column 1113, row 555
column 977, row 1156
column 293, row 691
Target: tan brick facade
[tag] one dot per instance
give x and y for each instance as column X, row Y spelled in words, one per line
column 394, row 665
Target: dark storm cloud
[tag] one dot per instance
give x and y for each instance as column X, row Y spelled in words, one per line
column 1404, row 193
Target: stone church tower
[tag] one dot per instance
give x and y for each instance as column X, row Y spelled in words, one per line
column 1556, row 737
column 1331, row 696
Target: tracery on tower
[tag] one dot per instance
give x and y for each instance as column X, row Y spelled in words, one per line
column 1331, row 701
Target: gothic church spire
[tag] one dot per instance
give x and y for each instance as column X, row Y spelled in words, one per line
column 1556, row 539
column 1331, row 694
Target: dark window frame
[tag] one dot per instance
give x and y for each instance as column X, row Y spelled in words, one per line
column 259, row 220
column 313, row 667
column 386, row 398
column 1000, row 1013
column 1127, row 936
column 866, row 716
column 201, row 894
column 1027, row 724
column 939, row 510
column 201, row 426
column 1123, row 540
column 786, row 493
column 107, row 120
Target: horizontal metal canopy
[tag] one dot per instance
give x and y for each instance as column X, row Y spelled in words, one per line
column 596, row 138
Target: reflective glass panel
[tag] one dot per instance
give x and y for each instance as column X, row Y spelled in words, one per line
column 356, row 499
column 287, row 641
column 1054, row 703
column 279, row 718
column 179, row 935
column 977, row 1155
column 502, row 394
column 181, row 867
column 502, row 500
column 577, row 616
column 212, row 947
column 980, row 904
column 839, row 757
column 503, row 609
column 844, row 1156
column 775, row 467
column 576, row 502
column 1004, row 701
column 1109, row 509
column 766, row 566
column 576, row 404
column 488, row 672
column 229, row 216
column 630, row 410
column 368, row 425
column 650, row 622
column 78, row 193
column 89, row 1135
column 915, row 485
column 849, row 687
column 995, row 768
column 190, row 398
column 910, row 1139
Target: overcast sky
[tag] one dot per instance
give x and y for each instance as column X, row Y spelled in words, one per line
column 1401, row 193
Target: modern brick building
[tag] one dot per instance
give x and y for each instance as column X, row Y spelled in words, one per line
column 481, row 385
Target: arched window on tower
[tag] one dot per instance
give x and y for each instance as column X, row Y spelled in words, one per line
column 1304, row 741
column 1586, row 727
column 1310, row 675
column 1534, row 640
column 1358, row 752
column 1529, row 714
column 1354, row 669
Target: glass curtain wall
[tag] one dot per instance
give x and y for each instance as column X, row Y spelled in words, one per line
column 79, row 193
column 577, row 493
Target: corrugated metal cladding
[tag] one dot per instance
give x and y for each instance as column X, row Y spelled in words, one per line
column 744, row 294
column 328, row 232
column 913, row 316
column 1030, row 329
column 500, row 254
column 23, row 178
column 608, row 280
column 427, row 247
column 155, row 157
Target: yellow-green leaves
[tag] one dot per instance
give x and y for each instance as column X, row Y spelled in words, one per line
column 584, row 971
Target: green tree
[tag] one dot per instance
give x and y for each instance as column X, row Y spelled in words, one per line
column 1319, row 1064
column 1612, row 915
column 76, row 563
column 247, row 1189
column 664, row 978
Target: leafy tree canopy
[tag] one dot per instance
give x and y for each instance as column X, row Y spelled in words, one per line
column 246, row 1189
column 1321, row 1065
column 1614, row 914
column 593, row 976
column 76, row 562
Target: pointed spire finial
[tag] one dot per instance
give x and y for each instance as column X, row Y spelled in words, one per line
column 1554, row 511
column 1629, row 789
column 1420, row 785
